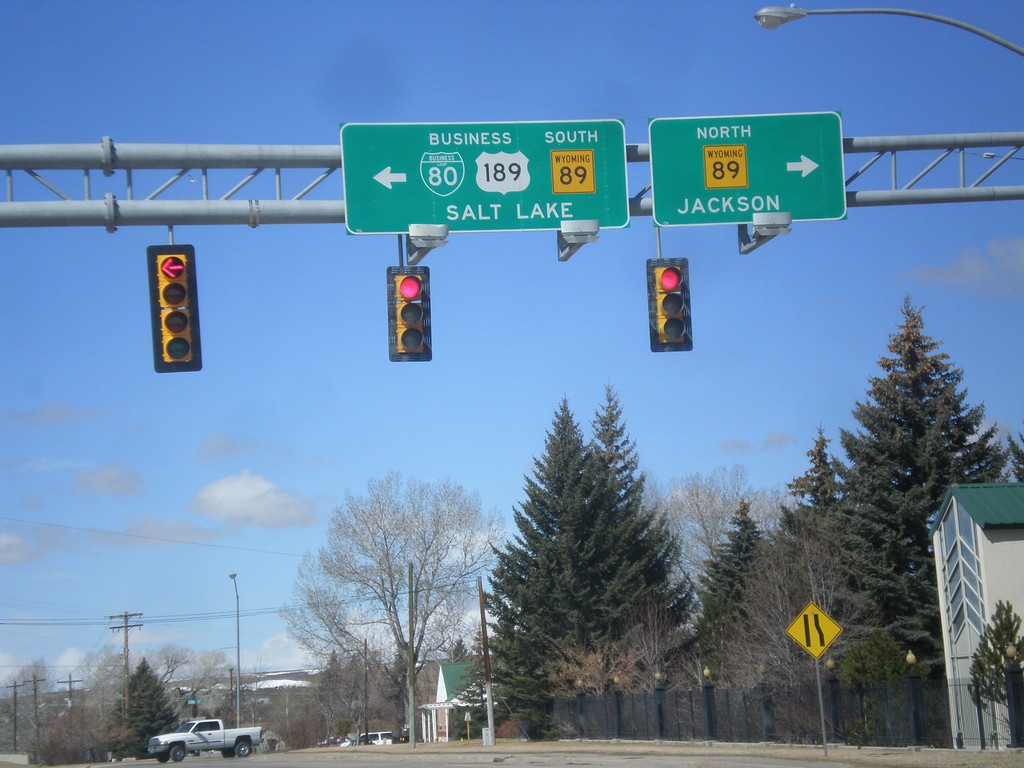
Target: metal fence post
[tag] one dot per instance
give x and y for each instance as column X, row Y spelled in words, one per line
column 834, row 697
column 1014, row 698
column 710, row 729
column 915, row 702
column 767, row 709
column 659, row 704
column 579, row 712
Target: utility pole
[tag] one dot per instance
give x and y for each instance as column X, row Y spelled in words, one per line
column 70, row 683
column 15, row 687
column 125, row 626
column 487, row 666
column 35, row 702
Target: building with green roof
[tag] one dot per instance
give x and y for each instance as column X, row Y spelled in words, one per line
column 452, row 680
column 978, row 538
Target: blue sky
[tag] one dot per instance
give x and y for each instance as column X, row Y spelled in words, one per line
column 123, row 490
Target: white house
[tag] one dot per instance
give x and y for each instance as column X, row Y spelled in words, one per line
column 437, row 723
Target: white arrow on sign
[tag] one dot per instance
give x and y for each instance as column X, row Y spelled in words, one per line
column 805, row 166
column 387, row 177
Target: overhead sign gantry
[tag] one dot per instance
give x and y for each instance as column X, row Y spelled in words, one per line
column 483, row 177
column 724, row 170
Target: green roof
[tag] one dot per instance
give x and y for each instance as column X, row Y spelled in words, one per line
column 990, row 505
column 456, row 678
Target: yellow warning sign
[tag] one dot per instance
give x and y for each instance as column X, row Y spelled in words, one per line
column 814, row 630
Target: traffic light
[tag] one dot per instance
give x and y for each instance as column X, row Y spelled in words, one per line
column 668, row 305
column 409, row 313
column 174, row 307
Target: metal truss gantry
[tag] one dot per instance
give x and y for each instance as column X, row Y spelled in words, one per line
column 109, row 177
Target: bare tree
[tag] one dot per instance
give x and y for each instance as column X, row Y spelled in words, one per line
column 193, row 676
column 805, row 564
column 699, row 508
column 355, row 588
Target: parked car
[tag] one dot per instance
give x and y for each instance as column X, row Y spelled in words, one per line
column 377, row 738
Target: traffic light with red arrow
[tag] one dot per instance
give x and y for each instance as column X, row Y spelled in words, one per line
column 174, row 307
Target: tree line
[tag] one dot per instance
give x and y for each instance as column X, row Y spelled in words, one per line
column 607, row 581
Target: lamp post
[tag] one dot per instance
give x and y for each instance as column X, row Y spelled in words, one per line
column 238, row 658
column 774, row 16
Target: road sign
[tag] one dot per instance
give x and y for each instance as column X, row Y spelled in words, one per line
column 483, row 177
column 814, row 630
column 723, row 170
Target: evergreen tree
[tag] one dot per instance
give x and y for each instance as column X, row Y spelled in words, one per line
column 724, row 585
column 527, row 599
column 149, row 713
column 917, row 436
column 585, row 554
column 817, row 493
column 1016, row 452
column 987, row 676
column 635, row 550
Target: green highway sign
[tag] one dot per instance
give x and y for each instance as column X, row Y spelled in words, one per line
column 723, row 170
column 483, row 177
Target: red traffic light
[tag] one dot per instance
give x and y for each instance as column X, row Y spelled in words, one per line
column 172, row 267
column 409, row 314
column 174, row 308
column 670, row 279
column 668, row 305
column 410, row 287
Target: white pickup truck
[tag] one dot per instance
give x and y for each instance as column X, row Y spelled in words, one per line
column 201, row 735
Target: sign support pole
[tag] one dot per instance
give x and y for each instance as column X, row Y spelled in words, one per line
column 821, row 706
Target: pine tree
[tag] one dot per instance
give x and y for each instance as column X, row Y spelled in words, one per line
column 987, row 677
column 917, row 436
column 817, row 493
column 585, row 555
column 724, row 585
column 149, row 713
column 1016, row 452
column 635, row 550
column 531, row 577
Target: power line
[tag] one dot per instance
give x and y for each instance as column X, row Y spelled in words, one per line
column 160, row 539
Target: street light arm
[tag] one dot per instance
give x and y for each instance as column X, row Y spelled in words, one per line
column 774, row 16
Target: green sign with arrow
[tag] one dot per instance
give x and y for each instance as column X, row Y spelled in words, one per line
column 723, row 170
column 483, row 177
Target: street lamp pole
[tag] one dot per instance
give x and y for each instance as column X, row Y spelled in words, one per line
column 238, row 658
column 774, row 16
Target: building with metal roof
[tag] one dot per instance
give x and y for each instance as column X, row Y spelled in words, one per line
column 978, row 538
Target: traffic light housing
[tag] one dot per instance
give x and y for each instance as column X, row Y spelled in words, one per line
column 668, row 305
column 174, row 308
column 409, row 314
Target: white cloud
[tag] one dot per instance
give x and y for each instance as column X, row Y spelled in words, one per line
column 247, row 499
column 47, row 415
column 14, row 549
column 997, row 272
column 735, row 446
column 278, row 652
column 778, row 439
column 219, row 445
column 112, row 479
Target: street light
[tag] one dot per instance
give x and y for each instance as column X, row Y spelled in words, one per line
column 774, row 16
column 238, row 658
